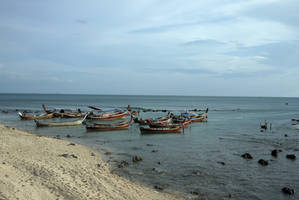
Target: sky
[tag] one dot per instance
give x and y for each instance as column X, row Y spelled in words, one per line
column 150, row 47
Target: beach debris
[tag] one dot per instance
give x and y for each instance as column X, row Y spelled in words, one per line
column 71, row 144
column 159, row 163
column 149, row 145
column 3, row 163
column 263, row 162
column 247, row 156
column 287, row 190
column 99, row 165
column 296, row 120
column 230, row 195
column 123, row 164
column 285, row 135
column 158, row 187
column 107, row 153
column 222, row 163
column 65, row 155
column 69, row 136
column 291, row 156
column 154, row 151
column 92, row 154
column 275, row 152
column 74, row 156
column 136, row 158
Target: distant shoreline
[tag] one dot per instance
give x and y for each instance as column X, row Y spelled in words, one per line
column 37, row 167
column 144, row 95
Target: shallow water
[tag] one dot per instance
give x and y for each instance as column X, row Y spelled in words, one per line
column 205, row 158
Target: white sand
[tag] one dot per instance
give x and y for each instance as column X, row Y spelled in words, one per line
column 31, row 167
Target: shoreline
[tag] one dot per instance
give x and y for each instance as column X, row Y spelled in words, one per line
column 40, row 167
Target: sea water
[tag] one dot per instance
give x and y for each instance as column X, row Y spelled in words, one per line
column 204, row 159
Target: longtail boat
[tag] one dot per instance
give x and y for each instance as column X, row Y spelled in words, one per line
column 109, row 127
column 108, row 116
column 73, row 123
column 175, row 129
column 140, row 121
column 48, row 111
column 69, row 115
column 32, row 117
column 200, row 117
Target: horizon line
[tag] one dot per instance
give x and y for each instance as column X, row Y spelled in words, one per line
column 90, row 94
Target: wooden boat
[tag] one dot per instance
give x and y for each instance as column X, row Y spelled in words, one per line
column 183, row 124
column 108, row 116
column 73, row 123
column 69, row 115
column 32, row 117
column 175, row 129
column 159, row 121
column 140, row 121
column 109, row 127
column 47, row 111
column 200, row 117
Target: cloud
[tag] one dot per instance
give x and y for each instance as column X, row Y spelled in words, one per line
column 158, row 44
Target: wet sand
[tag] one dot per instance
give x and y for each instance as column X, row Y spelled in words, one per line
column 34, row 167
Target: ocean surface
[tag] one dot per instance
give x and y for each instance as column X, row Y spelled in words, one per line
column 204, row 161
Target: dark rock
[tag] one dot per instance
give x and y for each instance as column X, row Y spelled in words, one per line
column 196, row 172
column 92, row 154
column 136, row 158
column 107, row 153
column 263, row 162
column 230, row 195
column 159, row 163
column 57, row 137
column 247, row 156
column 3, row 163
column 157, row 187
column 285, row 135
column 291, row 156
column 69, row 136
column 98, row 165
column 154, row 151
column 149, row 145
column 195, row 192
column 274, row 152
column 288, row 191
column 123, row 164
column 222, row 163
column 135, row 148
column 71, row 144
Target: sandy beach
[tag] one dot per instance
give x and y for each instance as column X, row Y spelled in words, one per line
column 34, row 167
